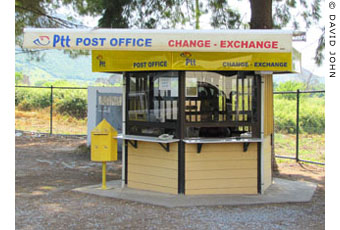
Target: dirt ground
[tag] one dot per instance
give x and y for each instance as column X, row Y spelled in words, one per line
column 48, row 168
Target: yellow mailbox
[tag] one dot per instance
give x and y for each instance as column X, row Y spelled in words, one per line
column 103, row 145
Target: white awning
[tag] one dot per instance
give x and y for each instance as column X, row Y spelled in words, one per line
column 261, row 41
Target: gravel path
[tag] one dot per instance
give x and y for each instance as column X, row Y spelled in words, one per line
column 48, row 168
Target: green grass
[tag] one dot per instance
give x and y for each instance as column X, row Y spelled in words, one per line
column 311, row 146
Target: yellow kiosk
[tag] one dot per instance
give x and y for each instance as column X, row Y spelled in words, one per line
column 198, row 105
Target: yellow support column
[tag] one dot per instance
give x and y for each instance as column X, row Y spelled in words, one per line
column 104, row 176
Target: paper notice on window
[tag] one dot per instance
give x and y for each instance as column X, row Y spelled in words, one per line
column 164, row 83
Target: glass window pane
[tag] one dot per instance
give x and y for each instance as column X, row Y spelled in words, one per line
column 222, row 98
column 153, row 97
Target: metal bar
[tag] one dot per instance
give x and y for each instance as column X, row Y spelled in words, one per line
column 259, row 183
column 190, row 110
column 245, row 146
column 126, row 160
column 285, row 157
column 248, row 99
column 219, row 124
column 199, row 147
column 294, row 92
column 104, row 175
column 134, row 143
column 47, row 87
column 51, row 111
column 293, row 158
column 196, row 110
column 236, row 105
column 259, row 105
column 172, row 110
column 59, row 134
column 123, row 129
column 127, row 107
column 165, row 146
column 151, row 124
column 297, row 123
column 312, row 162
column 242, row 83
column 181, row 122
column 165, row 110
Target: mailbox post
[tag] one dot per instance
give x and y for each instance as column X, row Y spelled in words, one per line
column 104, row 146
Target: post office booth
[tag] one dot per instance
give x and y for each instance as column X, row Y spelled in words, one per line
column 200, row 122
column 198, row 106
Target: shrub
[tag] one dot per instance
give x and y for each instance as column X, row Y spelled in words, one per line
column 290, row 86
column 25, row 105
column 311, row 116
column 19, row 95
column 73, row 105
column 41, row 99
column 67, row 102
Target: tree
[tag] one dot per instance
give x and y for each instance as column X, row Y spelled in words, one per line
column 42, row 14
column 39, row 14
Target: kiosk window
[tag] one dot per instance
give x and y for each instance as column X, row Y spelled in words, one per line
column 152, row 103
column 226, row 104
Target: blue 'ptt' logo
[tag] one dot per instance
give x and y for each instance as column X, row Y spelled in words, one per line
column 42, row 41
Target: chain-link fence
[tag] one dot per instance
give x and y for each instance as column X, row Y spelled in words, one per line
column 51, row 110
column 299, row 123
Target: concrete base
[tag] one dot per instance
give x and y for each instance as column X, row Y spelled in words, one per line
column 281, row 191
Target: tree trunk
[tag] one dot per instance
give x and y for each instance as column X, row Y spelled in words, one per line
column 197, row 14
column 261, row 14
column 261, row 18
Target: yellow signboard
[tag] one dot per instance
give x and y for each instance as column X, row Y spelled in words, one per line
column 122, row 61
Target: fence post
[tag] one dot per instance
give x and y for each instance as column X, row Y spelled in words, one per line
column 297, row 123
column 51, row 111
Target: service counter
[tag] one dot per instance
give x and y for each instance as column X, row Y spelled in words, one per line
column 212, row 165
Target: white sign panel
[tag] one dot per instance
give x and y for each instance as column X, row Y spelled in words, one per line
column 267, row 41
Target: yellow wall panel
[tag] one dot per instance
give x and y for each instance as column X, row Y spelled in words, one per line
column 213, row 165
column 145, row 147
column 153, row 180
column 221, row 183
column 221, row 174
column 222, row 148
column 221, row 169
column 157, row 154
column 220, row 156
column 138, row 185
column 147, row 161
column 150, row 167
column 149, row 170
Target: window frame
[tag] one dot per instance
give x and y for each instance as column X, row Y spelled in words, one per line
column 144, row 124
column 255, row 125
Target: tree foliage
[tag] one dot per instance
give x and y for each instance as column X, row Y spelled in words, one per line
column 265, row 14
column 18, row 78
